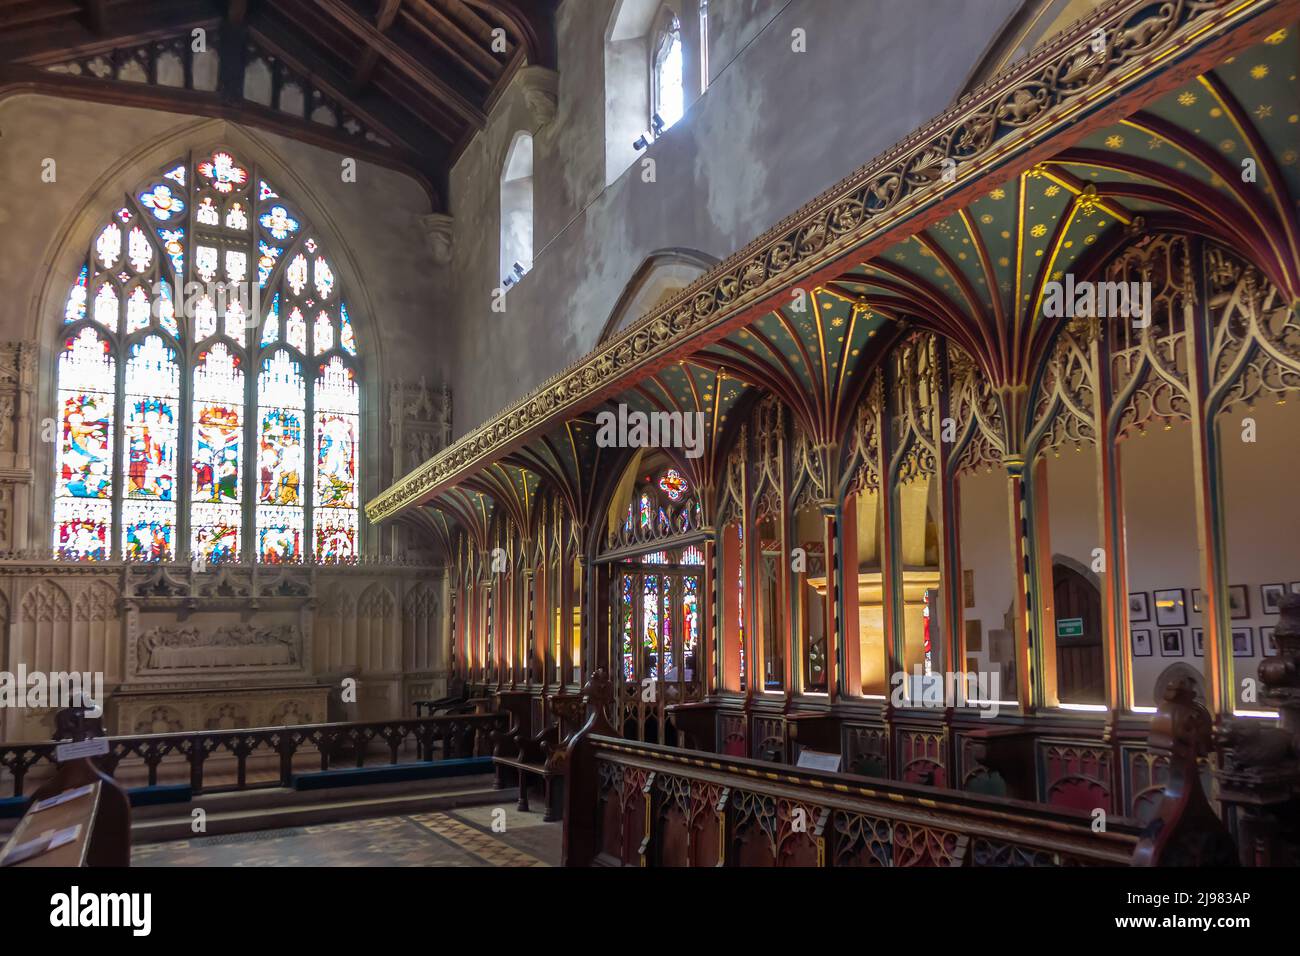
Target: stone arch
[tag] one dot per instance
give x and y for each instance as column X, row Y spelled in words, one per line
column 662, row 274
column 44, row 641
column 1028, row 28
column 376, row 647
column 335, row 620
column 96, row 631
column 516, row 213
column 420, row 628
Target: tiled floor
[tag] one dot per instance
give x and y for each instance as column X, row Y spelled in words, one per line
column 476, row 836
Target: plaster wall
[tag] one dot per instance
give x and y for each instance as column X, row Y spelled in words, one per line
column 773, row 129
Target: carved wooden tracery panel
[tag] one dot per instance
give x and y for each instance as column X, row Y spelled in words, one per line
column 1149, row 363
column 769, row 441
column 775, row 831
column 1255, row 336
column 915, row 386
column 689, row 821
column 1064, row 412
column 732, row 500
column 865, row 438
column 977, row 416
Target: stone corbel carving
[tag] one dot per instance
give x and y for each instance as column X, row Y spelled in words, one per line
column 540, row 87
column 437, row 233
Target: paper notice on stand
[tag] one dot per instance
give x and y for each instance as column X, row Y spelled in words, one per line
column 60, row 798
column 91, row 747
column 44, row 843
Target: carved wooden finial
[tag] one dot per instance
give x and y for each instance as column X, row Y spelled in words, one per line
column 1185, row 831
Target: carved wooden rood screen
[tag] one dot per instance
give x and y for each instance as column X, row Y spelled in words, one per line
column 635, row 804
column 921, row 466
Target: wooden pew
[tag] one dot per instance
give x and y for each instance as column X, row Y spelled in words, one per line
column 452, row 703
column 634, row 804
column 541, row 756
column 103, row 816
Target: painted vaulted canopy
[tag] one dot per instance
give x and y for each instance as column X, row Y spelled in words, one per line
column 1188, row 121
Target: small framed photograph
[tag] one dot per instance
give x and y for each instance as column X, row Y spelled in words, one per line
column 1238, row 602
column 1138, row 608
column 1141, row 642
column 1243, row 642
column 1198, row 642
column 1171, row 642
column 1270, row 596
column 1267, row 645
column 1198, row 602
column 1171, row 607
column 1295, row 587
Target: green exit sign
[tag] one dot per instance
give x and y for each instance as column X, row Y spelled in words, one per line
column 1069, row 627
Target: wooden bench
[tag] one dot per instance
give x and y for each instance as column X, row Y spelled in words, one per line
column 90, row 810
column 456, row 698
column 539, row 756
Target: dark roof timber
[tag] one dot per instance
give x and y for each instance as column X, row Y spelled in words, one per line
column 413, row 78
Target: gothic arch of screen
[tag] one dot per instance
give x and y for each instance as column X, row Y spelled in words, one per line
column 207, row 399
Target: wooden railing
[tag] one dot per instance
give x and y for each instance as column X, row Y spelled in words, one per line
column 655, row 806
column 636, row 804
column 337, row 744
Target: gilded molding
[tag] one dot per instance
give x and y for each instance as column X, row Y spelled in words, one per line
column 1047, row 91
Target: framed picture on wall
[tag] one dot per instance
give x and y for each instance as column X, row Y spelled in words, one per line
column 1270, row 596
column 1141, row 642
column 1267, row 645
column 1171, row 642
column 1198, row 642
column 1171, row 607
column 1243, row 642
column 1198, row 602
column 1295, row 587
column 1138, row 608
column 1238, row 602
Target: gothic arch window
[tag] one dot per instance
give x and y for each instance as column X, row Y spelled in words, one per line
column 668, row 74
column 517, row 210
column 207, row 394
column 656, row 65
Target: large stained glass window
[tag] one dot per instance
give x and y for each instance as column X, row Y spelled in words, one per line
column 208, row 401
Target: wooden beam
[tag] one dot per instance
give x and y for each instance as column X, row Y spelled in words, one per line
column 382, row 116
column 132, row 26
column 26, row 79
column 26, row 14
column 423, row 10
column 97, row 15
column 370, row 56
column 404, row 62
column 455, row 52
column 233, row 38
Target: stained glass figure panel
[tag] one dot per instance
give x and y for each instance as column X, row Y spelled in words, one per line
column 279, row 534
column 84, row 465
column 150, row 438
column 218, row 426
column 282, row 400
column 214, row 531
